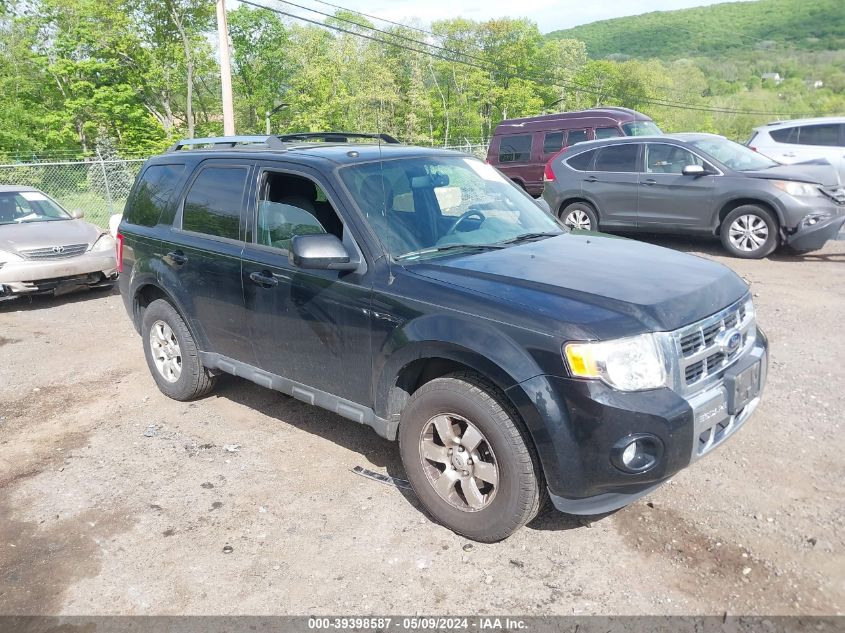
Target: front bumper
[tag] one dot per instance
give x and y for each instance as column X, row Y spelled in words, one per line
column 814, row 237
column 576, row 424
column 27, row 277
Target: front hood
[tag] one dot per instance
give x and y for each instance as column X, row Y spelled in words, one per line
column 821, row 172
column 27, row 235
column 592, row 280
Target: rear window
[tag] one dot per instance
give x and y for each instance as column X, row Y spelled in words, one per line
column 213, row 204
column 514, row 149
column 607, row 132
column 153, row 194
column 617, row 158
column 581, row 162
column 553, row 142
column 576, row 136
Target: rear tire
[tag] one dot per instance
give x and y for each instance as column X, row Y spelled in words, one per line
column 468, row 459
column 750, row 232
column 172, row 354
column 580, row 216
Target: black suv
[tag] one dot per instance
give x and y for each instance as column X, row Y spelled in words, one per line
column 419, row 292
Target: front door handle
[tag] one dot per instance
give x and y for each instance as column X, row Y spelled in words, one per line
column 590, row 179
column 649, row 182
column 177, row 257
column 263, row 278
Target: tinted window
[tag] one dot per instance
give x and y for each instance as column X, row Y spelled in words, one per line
column 785, row 135
column 577, row 136
column 581, row 162
column 617, row 158
column 607, row 132
column 514, row 149
column 213, row 204
column 553, row 142
column 668, row 159
column 152, row 194
column 826, row 135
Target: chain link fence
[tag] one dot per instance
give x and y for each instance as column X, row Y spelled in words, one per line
column 96, row 186
column 479, row 150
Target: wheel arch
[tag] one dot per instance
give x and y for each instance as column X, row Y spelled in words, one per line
column 572, row 200
column 147, row 290
column 730, row 205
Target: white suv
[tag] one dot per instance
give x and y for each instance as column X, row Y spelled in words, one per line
column 803, row 140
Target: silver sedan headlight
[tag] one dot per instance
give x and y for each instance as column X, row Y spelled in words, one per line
column 104, row 243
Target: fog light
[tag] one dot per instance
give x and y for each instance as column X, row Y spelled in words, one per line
column 637, row 453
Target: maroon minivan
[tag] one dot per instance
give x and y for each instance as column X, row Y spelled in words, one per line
column 520, row 148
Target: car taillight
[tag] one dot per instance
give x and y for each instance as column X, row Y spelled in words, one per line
column 119, row 252
column 753, row 149
column 548, row 172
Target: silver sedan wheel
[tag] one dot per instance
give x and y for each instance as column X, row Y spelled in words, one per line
column 167, row 354
column 578, row 219
column 748, row 233
column 458, row 462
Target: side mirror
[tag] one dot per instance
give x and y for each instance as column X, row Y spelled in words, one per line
column 694, row 170
column 320, row 252
column 77, row 214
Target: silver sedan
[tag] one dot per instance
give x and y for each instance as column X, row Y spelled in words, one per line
column 43, row 247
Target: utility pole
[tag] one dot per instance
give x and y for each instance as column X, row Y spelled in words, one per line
column 225, row 70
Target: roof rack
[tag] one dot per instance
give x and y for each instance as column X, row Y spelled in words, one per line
column 334, row 137
column 277, row 141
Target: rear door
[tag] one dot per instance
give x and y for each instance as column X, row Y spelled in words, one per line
column 203, row 253
column 613, row 184
column 667, row 198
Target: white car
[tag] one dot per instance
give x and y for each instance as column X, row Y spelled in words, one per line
column 803, row 140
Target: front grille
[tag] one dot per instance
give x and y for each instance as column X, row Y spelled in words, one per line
column 703, row 348
column 55, row 252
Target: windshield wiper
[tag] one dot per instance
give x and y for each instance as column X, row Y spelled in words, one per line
column 530, row 236
column 449, row 247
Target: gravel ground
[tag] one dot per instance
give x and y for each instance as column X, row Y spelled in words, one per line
column 116, row 500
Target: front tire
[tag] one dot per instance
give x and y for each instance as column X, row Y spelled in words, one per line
column 750, row 232
column 580, row 216
column 172, row 354
column 468, row 459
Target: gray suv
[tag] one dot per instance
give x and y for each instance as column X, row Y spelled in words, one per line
column 696, row 184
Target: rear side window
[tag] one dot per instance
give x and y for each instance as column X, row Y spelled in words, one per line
column 581, row 162
column 553, row 142
column 514, row 149
column 153, row 194
column 617, row 158
column 213, row 204
column 607, row 132
column 577, row 136
column 785, row 135
column 826, row 135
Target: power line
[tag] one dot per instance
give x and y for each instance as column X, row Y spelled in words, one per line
column 486, row 66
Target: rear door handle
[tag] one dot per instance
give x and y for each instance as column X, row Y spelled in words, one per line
column 649, row 182
column 789, row 154
column 177, row 257
column 264, row 279
column 590, row 179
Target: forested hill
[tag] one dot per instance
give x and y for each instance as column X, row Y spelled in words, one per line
column 717, row 29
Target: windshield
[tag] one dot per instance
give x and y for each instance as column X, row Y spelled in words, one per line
column 18, row 207
column 733, row 155
column 641, row 128
column 425, row 206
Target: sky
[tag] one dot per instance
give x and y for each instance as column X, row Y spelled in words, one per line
column 550, row 15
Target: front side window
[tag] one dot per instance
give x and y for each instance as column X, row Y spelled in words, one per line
column 417, row 206
column 553, row 142
column 826, row 135
column 619, row 158
column 21, row 207
column 291, row 205
column 153, row 193
column 214, row 201
column 576, row 136
column 661, row 158
column 515, row 149
column 607, row 132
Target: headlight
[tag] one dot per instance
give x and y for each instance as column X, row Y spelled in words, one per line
column 797, row 188
column 104, row 243
column 628, row 364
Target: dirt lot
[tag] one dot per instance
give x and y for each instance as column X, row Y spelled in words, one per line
column 114, row 499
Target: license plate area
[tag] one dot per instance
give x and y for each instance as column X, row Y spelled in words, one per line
column 743, row 385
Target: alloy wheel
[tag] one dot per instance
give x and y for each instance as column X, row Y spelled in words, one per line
column 748, row 233
column 167, row 355
column 578, row 219
column 458, row 462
